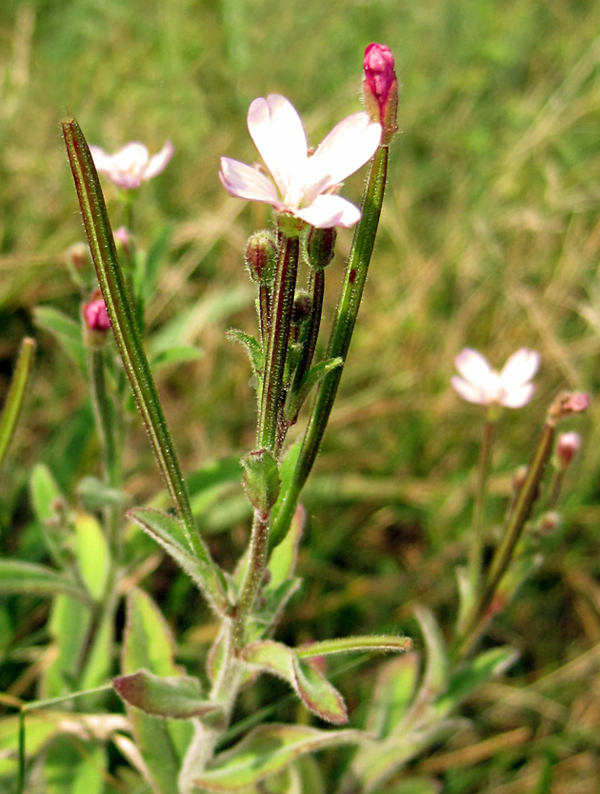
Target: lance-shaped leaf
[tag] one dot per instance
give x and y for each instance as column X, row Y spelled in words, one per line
column 27, row 577
column 315, row 374
column 354, row 645
column 126, row 332
column 176, row 697
column 169, row 533
column 148, row 644
column 313, row 689
column 394, row 690
column 66, row 330
column 16, row 395
column 266, row 751
column 93, row 557
column 252, row 347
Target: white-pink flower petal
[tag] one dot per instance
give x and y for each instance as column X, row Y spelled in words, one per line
column 131, row 165
column 473, row 366
column 468, row 391
column 327, row 211
column 278, row 134
column 518, row 397
column 520, row 368
column 346, row 149
column 243, row 181
column 158, row 163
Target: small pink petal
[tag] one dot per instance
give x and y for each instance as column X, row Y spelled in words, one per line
column 473, row 367
column 520, row 368
column 159, row 162
column 468, row 391
column 327, row 211
column 517, row 398
column 245, row 182
column 279, row 136
column 346, row 149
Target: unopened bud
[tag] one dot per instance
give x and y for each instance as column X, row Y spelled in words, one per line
column 261, row 256
column 320, row 247
column 567, row 446
column 549, row 522
column 568, row 403
column 261, row 480
column 380, row 89
column 301, row 308
column 123, row 241
column 78, row 256
column 518, row 479
column 97, row 321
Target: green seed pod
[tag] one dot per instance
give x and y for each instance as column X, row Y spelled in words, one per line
column 261, row 258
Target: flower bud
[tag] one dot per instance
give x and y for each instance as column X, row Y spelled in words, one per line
column 301, row 308
column 97, row 321
column 380, row 89
column 261, row 480
column 567, row 446
column 261, row 256
column 78, row 256
column 549, row 522
column 320, row 247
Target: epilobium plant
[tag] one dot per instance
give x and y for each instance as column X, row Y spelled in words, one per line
column 175, row 729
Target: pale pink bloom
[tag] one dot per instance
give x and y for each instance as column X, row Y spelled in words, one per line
column 305, row 183
column 482, row 385
column 132, row 164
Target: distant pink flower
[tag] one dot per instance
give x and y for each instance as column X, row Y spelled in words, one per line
column 480, row 384
column 306, row 183
column 96, row 316
column 132, row 164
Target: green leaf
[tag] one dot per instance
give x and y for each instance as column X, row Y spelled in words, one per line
column 175, row 355
column 148, row 644
column 316, row 373
column 45, row 494
column 286, row 474
column 354, row 645
column 175, row 697
column 16, row 396
column 169, row 533
column 469, row 677
column 394, row 690
column 252, row 347
column 265, row 751
column 92, row 553
column 27, row 577
column 437, row 669
column 66, row 330
column 313, row 689
column 96, row 495
column 69, row 623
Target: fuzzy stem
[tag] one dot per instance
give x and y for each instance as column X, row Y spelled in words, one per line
column 476, row 551
column 277, row 346
column 317, row 292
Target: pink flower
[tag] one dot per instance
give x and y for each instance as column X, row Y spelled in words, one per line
column 480, row 384
column 132, row 164
column 380, row 88
column 96, row 316
column 306, row 183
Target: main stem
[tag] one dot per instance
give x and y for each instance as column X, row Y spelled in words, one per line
column 476, row 551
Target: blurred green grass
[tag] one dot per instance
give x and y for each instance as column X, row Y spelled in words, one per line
column 489, row 238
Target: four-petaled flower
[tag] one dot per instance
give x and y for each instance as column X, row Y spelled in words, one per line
column 480, row 384
column 132, row 164
column 306, row 182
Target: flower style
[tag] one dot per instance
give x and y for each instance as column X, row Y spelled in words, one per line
column 132, row 164
column 480, row 384
column 306, row 182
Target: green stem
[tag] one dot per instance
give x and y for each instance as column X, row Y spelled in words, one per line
column 516, row 524
column 476, row 551
column 127, row 336
column 317, row 292
column 254, row 576
column 339, row 340
column 16, row 396
column 277, row 347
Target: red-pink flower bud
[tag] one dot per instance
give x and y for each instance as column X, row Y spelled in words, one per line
column 566, row 447
column 96, row 316
column 380, row 88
